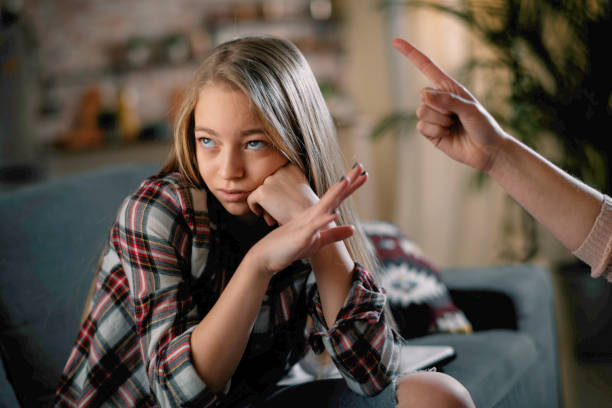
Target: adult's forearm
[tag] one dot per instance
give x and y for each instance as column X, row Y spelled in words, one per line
column 219, row 340
column 564, row 205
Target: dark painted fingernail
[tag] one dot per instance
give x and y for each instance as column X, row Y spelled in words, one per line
column 355, row 165
column 342, row 178
column 363, row 173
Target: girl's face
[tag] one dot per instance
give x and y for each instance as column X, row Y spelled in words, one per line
column 233, row 150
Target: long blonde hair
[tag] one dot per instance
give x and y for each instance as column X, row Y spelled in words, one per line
column 276, row 77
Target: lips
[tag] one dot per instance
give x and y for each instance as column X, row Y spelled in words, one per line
column 232, row 196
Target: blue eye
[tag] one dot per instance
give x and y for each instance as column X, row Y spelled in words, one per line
column 206, row 142
column 256, row 144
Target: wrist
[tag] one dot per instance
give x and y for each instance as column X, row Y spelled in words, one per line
column 308, row 198
column 500, row 156
column 255, row 260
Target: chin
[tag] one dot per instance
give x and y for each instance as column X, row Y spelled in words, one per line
column 238, row 210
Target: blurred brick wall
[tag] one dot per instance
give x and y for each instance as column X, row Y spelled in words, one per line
column 79, row 41
column 76, row 40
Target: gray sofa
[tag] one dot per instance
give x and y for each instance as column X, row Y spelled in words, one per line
column 53, row 233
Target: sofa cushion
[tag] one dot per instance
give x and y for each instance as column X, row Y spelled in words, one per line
column 489, row 363
column 7, row 394
column 52, row 237
column 418, row 298
column 531, row 292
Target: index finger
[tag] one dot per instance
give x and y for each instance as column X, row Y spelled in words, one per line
column 337, row 193
column 422, row 62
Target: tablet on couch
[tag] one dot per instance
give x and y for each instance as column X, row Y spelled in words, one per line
column 412, row 358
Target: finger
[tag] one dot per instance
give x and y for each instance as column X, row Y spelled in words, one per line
column 253, row 204
column 355, row 171
column 446, row 102
column 433, row 131
column 335, row 190
column 422, row 62
column 427, row 114
column 269, row 219
column 335, row 234
column 428, row 99
column 256, row 208
column 320, row 222
column 358, row 176
column 344, row 188
column 358, row 181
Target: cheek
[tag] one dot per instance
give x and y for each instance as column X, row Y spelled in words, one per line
column 204, row 167
column 274, row 163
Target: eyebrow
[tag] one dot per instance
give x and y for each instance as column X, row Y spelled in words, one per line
column 244, row 133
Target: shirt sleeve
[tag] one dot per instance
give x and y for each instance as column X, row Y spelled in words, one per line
column 596, row 250
column 154, row 245
column 361, row 342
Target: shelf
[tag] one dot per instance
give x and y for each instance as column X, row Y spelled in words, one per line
column 62, row 162
column 310, row 36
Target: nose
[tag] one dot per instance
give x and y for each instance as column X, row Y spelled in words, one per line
column 232, row 164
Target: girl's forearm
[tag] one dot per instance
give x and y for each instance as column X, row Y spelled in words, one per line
column 564, row 205
column 333, row 267
column 219, row 340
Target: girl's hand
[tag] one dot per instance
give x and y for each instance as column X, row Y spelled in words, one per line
column 282, row 196
column 451, row 118
column 309, row 230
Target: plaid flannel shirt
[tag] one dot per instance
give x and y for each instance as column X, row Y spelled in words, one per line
column 134, row 348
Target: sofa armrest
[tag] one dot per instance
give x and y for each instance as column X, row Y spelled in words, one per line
column 524, row 289
column 522, row 293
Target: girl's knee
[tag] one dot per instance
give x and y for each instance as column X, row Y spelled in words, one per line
column 431, row 389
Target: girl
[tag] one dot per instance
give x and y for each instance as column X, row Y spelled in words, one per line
column 203, row 294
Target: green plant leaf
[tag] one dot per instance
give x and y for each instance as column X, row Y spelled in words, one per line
column 397, row 122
